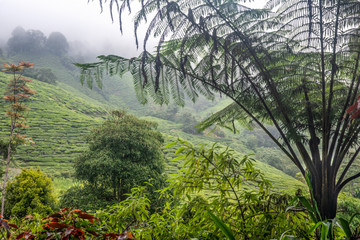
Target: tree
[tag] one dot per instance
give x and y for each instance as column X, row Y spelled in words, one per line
column 30, row 192
column 294, row 64
column 17, row 42
column 36, row 40
column 42, row 74
column 57, row 43
column 15, row 95
column 124, row 152
column 26, row 41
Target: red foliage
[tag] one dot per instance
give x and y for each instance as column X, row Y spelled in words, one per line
column 121, row 236
column 54, row 225
column 25, row 235
column 354, row 110
column 71, row 223
column 84, row 215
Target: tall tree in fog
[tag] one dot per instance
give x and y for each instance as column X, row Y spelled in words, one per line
column 17, row 41
column 57, row 43
column 294, row 64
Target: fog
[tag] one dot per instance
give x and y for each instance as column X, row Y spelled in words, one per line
column 78, row 20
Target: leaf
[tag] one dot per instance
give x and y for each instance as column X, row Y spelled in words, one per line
column 224, row 228
column 55, row 215
column 170, row 145
column 306, row 203
column 87, row 216
column 345, row 226
column 324, row 231
column 353, row 216
column 13, row 225
column 26, row 235
column 92, row 232
column 180, row 150
column 315, row 226
column 53, row 225
column 286, row 237
column 351, row 108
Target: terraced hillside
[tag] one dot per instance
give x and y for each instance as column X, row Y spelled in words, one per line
column 115, row 93
column 58, row 121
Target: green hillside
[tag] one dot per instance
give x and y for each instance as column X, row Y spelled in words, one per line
column 115, row 93
column 281, row 181
column 64, row 113
column 58, row 121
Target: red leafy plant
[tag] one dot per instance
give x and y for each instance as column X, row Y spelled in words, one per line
column 354, row 110
column 16, row 94
column 4, row 224
column 71, row 223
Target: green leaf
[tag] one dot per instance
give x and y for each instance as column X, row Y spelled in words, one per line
column 345, row 226
column 315, row 227
column 324, row 231
column 353, row 216
column 177, row 158
column 170, row 144
column 224, row 228
column 180, row 150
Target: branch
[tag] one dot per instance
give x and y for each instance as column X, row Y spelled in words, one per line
column 338, row 189
column 348, row 166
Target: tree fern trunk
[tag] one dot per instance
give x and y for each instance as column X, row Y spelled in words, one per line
column 325, row 196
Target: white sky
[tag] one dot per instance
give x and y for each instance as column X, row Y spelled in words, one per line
column 76, row 19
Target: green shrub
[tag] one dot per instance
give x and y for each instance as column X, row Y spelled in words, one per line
column 42, row 74
column 86, row 198
column 30, row 192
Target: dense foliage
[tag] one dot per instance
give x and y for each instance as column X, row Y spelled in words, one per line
column 239, row 205
column 31, row 192
column 123, row 152
column 66, row 224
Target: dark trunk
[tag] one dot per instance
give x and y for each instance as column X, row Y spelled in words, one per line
column 325, row 196
column 329, row 206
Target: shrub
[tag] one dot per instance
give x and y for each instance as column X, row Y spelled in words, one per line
column 31, row 192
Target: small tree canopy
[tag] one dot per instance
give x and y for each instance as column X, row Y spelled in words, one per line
column 123, row 152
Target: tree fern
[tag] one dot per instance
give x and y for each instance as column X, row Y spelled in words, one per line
column 294, row 64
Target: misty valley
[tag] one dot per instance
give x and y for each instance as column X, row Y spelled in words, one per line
column 227, row 122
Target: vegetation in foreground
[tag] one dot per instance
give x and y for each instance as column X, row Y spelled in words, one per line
column 317, row 130
column 233, row 212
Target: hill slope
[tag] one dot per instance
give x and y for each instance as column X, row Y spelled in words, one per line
column 58, row 121
column 62, row 115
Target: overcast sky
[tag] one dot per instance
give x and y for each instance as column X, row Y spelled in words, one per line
column 76, row 19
